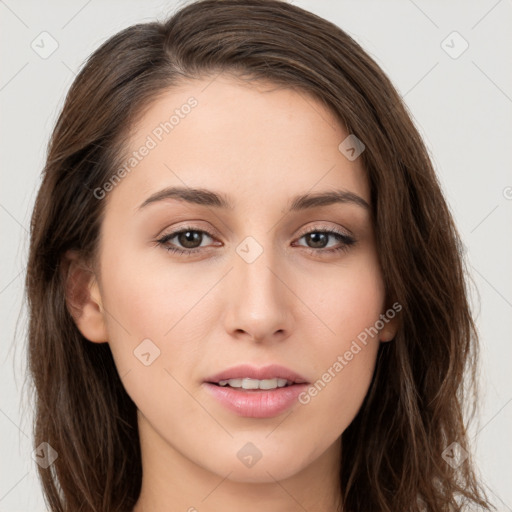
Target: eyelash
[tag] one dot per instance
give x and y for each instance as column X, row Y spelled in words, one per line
column 346, row 240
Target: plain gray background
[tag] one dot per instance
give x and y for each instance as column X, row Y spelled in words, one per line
column 461, row 102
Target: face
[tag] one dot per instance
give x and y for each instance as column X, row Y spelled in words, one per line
column 192, row 285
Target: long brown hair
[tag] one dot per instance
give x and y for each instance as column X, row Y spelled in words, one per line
column 392, row 453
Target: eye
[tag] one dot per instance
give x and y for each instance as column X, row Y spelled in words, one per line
column 188, row 237
column 318, row 239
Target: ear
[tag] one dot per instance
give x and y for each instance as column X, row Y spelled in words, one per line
column 392, row 320
column 83, row 298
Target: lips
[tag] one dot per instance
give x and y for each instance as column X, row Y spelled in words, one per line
column 256, row 403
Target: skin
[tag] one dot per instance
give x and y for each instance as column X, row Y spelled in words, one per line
column 296, row 304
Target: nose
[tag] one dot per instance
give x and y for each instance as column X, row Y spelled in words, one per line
column 260, row 304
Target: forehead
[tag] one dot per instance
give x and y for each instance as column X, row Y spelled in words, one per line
column 251, row 138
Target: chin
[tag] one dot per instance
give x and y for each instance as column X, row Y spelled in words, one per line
column 278, row 465
column 264, row 474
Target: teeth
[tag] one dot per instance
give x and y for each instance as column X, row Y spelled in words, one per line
column 248, row 383
column 253, row 383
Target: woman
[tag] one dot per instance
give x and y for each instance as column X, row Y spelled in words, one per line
column 245, row 285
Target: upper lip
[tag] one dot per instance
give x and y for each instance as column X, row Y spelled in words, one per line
column 271, row 371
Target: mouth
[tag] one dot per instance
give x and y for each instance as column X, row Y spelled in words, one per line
column 256, row 392
column 248, row 384
column 250, row 378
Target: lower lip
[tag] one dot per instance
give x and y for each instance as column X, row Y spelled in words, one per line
column 256, row 403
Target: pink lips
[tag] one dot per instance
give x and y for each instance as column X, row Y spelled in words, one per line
column 256, row 403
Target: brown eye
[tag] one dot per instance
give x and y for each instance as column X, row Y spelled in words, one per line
column 185, row 241
column 317, row 241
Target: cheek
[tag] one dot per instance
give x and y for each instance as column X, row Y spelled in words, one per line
column 334, row 399
column 157, row 326
column 346, row 299
column 144, row 300
column 150, row 335
column 344, row 363
column 349, row 304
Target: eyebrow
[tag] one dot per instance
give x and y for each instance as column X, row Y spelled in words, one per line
column 205, row 197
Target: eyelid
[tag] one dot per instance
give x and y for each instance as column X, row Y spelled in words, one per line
column 188, row 226
column 165, row 237
column 322, row 227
